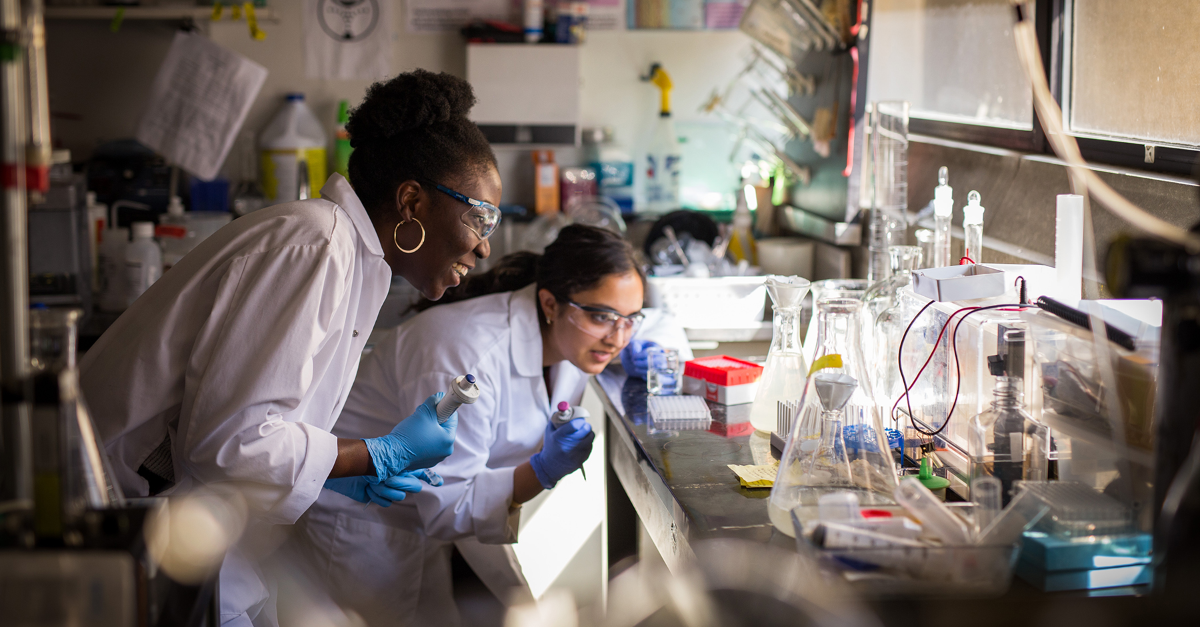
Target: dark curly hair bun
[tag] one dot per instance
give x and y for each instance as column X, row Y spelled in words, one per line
column 407, row 102
column 413, row 127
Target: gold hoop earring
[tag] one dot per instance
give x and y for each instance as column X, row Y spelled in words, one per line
column 396, row 232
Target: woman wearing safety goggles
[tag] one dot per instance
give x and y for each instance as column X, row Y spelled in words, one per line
column 531, row 330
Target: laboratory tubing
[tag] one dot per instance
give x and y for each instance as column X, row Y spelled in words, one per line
column 293, row 153
column 143, row 262
column 986, row 494
column 943, row 211
column 463, row 390
column 784, row 374
column 663, row 373
column 973, row 228
column 932, row 513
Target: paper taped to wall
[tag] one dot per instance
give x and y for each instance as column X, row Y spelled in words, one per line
column 198, row 103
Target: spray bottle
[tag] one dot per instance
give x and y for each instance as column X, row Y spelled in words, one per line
column 973, row 227
column 943, row 209
column 661, row 189
column 463, row 390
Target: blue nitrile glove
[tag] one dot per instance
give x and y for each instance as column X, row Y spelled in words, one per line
column 563, row 451
column 383, row 494
column 417, row 442
column 633, row 357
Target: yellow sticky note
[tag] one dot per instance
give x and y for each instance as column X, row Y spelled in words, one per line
column 756, row 476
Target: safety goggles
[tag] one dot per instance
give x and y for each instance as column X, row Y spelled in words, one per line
column 482, row 217
column 600, row 322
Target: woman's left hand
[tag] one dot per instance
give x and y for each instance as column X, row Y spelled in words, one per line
column 385, row 493
column 633, row 357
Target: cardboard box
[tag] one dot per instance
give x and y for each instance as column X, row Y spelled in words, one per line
column 955, row 283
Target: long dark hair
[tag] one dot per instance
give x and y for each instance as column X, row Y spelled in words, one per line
column 576, row 262
column 413, row 127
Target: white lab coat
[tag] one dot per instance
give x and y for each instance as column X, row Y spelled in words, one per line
column 243, row 355
column 391, row 565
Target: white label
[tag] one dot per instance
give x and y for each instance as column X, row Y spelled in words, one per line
column 546, row 175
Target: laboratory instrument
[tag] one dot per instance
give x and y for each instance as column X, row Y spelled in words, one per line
column 889, row 172
column 679, row 413
column 973, row 228
column 785, row 371
column 661, row 186
column 889, row 324
column 1006, row 442
column 143, row 262
column 837, row 392
column 663, row 372
column 943, row 211
column 293, row 153
column 566, row 413
column 463, row 390
column 831, row 288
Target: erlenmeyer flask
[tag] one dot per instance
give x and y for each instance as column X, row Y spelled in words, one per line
column 830, row 288
column 868, row 469
column 785, row 371
column 889, row 326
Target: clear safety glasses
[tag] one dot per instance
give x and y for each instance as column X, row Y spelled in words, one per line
column 482, row 217
column 600, row 322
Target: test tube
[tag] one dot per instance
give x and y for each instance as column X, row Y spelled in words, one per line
column 463, row 390
column 986, row 493
column 931, row 512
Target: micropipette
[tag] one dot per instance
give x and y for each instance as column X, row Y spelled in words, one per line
column 566, row 414
column 463, row 390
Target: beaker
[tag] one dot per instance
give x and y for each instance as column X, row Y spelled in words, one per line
column 52, row 339
column 889, row 184
column 663, row 374
column 869, row 470
column 1005, row 442
column 785, row 371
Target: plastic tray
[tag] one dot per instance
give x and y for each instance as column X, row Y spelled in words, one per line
column 679, row 413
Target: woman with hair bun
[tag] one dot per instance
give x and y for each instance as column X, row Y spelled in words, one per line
column 532, row 330
column 229, row 372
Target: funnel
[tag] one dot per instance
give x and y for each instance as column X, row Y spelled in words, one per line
column 834, row 389
column 787, row 291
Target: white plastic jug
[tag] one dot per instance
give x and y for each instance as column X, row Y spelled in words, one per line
column 293, row 153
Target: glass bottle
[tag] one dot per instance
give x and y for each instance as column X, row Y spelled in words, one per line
column 943, row 210
column 890, row 324
column 811, row 463
column 902, row 260
column 1005, row 442
column 784, row 373
column 973, row 228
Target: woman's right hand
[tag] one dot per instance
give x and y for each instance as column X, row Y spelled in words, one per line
column 416, row 442
column 563, row 451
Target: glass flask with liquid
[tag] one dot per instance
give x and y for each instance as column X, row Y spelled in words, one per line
column 1005, row 442
column 838, row 417
column 786, row 369
column 890, row 325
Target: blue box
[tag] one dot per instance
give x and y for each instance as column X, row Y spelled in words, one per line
column 1052, row 553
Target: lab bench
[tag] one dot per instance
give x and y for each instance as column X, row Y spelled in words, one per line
column 683, row 492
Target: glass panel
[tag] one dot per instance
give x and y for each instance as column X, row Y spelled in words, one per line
column 954, row 60
column 1136, row 70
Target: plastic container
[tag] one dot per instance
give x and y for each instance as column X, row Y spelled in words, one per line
column 722, row 379
column 341, row 141
column 1077, row 510
column 679, row 413
column 545, row 182
column 613, row 165
column 660, row 188
column 293, row 153
column 112, row 269
column 143, row 262
column 713, row 303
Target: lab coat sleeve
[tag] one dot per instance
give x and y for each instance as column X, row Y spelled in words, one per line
column 476, row 498
column 250, row 372
column 663, row 328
